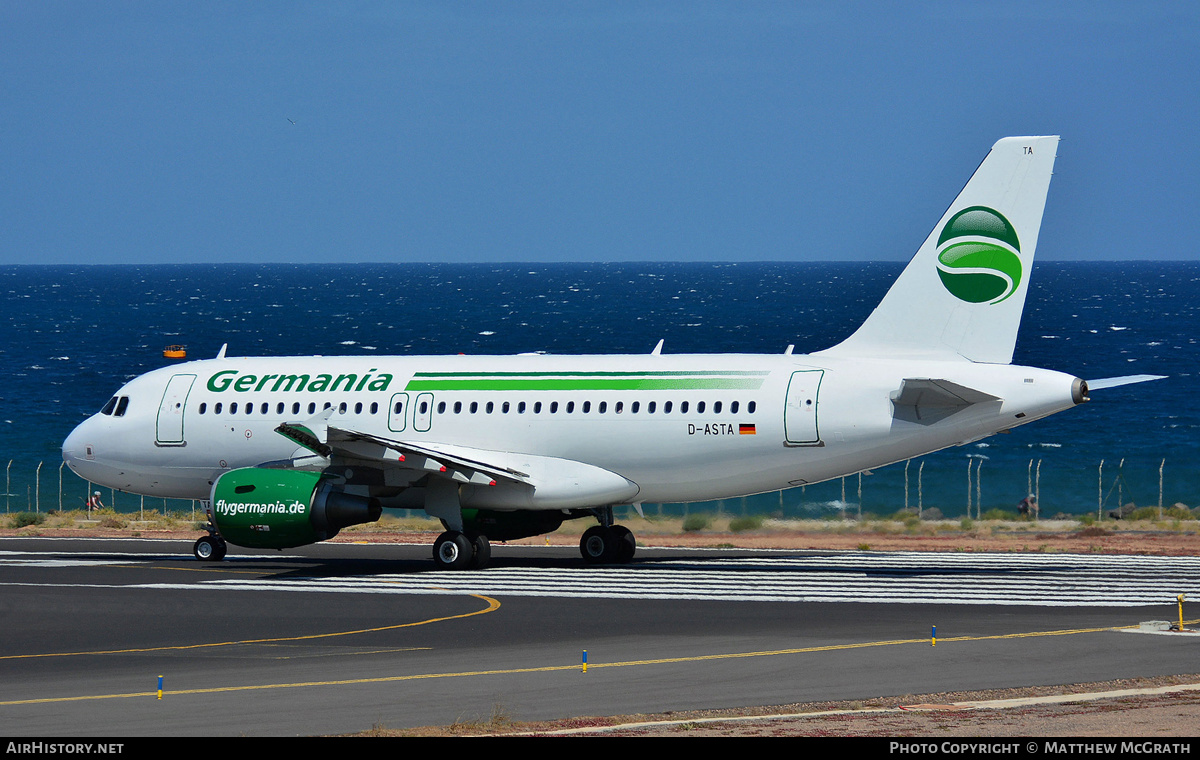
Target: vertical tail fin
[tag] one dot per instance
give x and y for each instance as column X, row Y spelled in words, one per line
column 962, row 295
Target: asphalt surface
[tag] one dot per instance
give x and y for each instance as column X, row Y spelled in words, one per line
column 339, row 638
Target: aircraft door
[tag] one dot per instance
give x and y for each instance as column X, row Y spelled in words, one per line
column 800, row 411
column 169, row 426
column 423, row 412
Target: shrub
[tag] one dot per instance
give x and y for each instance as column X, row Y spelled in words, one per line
column 696, row 522
column 23, row 519
column 739, row 524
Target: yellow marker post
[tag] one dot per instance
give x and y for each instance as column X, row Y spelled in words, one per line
column 933, row 637
column 585, row 661
column 160, row 687
column 1180, row 599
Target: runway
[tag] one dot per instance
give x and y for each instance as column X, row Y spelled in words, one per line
column 338, row 638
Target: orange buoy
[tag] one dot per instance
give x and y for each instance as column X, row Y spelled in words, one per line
column 175, row 352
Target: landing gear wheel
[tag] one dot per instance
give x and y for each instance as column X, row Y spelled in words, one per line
column 598, row 545
column 626, row 543
column 209, row 549
column 452, row 551
column 482, row 555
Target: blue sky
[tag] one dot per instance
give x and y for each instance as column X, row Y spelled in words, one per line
column 524, row 131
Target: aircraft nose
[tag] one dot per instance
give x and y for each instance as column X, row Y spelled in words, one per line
column 77, row 449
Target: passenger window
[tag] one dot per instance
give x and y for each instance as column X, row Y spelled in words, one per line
column 441, row 407
column 554, row 407
column 312, row 408
column 751, row 407
column 635, row 406
column 570, row 407
column 375, row 407
column 203, row 408
column 490, row 406
column 295, row 407
column 233, row 408
column 587, row 406
column 700, row 407
column 537, row 407
column 521, row 408
column 457, row 407
column 683, row 407
column 716, row 407
column 603, row 407
column 667, row 407
column 620, row 406
column 474, row 407
column 217, row 408
column 650, row 407
column 504, row 407
column 733, row 407
column 358, row 408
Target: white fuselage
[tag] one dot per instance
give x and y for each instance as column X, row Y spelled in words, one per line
column 679, row 427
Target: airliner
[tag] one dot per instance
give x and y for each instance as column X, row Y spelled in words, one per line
column 288, row 451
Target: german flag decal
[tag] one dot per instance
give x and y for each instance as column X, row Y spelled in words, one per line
column 746, row 429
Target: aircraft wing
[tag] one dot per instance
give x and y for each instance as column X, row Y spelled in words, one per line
column 328, row 442
column 523, row 481
column 453, row 465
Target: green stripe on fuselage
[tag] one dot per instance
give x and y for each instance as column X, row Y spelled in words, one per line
column 585, row 381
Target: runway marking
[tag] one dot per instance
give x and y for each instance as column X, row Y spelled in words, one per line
column 574, row 666
column 492, row 606
column 863, row 577
column 977, row 578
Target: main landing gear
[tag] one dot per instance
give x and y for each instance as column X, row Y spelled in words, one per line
column 209, row 548
column 455, row 550
column 602, row 545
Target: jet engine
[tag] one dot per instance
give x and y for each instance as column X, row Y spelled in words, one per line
column 277, row 509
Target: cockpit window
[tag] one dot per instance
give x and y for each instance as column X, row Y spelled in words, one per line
column 108, row 408
column 122, row 405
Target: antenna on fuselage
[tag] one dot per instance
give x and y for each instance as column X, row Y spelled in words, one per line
column 221, row 353
column 658, row 349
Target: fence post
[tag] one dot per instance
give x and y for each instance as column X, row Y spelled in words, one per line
column 1160, row 471
column 37, row 491
column 920, row 490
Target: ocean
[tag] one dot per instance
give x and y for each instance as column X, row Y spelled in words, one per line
column 73, row 334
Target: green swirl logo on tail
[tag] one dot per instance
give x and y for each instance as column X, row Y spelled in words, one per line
column 978, row 256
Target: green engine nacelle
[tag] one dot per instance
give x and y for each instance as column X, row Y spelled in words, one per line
column 265, row 508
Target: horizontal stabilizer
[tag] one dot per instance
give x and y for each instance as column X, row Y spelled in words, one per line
column 1113, row 382
column 927, row 400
